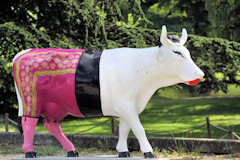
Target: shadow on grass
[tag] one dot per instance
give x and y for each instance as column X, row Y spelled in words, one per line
column 177, row 115
column 76, row 125
column 170, row 116
column 204, row 106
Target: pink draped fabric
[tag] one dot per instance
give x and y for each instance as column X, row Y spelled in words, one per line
column 45, row 81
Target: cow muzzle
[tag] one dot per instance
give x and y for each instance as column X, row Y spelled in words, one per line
column 194, row 82
column 199, row 74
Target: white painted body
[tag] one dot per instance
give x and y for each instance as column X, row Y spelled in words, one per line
column 20, row 106
column 129, row 77
column 127, row 74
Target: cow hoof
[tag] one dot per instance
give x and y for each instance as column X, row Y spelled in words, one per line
column 124, row 154
column 30, row 155
column 72, row 154
column 149, row 155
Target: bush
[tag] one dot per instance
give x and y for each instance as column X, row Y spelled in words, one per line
column 212, row 55
column 14, row 39
column 215, row 55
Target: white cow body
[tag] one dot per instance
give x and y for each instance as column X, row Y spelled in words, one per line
column 127, row 74
column 129, row 77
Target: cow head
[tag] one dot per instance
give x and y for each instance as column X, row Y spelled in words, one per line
column 176, row 59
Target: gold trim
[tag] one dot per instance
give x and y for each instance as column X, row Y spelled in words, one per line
column 18, row 77
column 43, row 73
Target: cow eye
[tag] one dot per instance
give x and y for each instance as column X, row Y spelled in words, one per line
column 178, row 53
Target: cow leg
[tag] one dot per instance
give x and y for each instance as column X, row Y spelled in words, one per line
column 29, row 125
column 139, row 132
column 55, row 129
column 130, row 115
column 122, row 140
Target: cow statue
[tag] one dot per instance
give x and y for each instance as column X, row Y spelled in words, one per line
column 54, row 83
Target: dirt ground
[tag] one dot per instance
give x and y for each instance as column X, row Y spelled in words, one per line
column 202, row 157
column 10, row 156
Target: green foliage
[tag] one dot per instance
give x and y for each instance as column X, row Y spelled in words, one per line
column 224, row 17
column 100, row 24
column 133, row 13
column 55, row 24
column 135, row 37
column 13, row 39
column 83, row 23
column 196, row 15
column 212, row 55
column 177, row 14
column 215, row 55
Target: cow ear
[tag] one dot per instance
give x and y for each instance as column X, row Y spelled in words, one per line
column 159, row 55
column 163, row 38
column 184, row 37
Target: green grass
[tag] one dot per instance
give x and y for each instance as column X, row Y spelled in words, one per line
column 7, row 150
column 168, row 116
column 233, row 90
column 77, row 125
column 178, row 91
column 49, row 150
column 11, row 128
column 178, row 115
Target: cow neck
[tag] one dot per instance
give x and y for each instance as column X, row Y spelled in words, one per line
column 148, row 76
column 153, row 73
column 152, row 77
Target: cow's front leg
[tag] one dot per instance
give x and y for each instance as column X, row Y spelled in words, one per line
column 130, row 115
column 122, row 140
column 29, row 125
column 55, row 129
column 139, row 132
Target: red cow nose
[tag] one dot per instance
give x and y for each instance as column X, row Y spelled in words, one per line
column 194, row 82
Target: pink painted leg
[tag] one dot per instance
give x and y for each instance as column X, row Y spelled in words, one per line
column 28, row 125
column 55, row 129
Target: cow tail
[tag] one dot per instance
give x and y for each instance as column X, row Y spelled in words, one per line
column 19, row 125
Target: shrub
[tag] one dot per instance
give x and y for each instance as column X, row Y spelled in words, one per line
column 212, row 55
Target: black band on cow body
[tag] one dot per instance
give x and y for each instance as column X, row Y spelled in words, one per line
column 87, row 87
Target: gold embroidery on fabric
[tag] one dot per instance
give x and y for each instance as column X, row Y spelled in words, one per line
column 43, row 73
column 18, row 78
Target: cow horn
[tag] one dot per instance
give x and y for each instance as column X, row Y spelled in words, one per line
column 163, row 38
column 183, row 37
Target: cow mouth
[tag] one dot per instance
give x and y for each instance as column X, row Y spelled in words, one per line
column 194, row 82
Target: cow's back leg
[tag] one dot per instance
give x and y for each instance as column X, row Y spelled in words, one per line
column 122, row 140
column 55, row 128
column 29, row 125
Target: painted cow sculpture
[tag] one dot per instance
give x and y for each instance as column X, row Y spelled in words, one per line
column 53, row 83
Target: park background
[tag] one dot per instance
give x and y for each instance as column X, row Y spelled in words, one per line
column 214, row 43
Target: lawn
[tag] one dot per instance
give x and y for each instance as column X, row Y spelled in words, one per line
column 165, row 115
column 8, row 152
column 178, row 115
column 169, row 116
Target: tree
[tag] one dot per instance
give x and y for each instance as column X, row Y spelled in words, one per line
column 178, row 13
column 56, row 24
column 216, row 56
column 224, row 16
column 96, row 24
column 196, row 14
column 13, row 39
